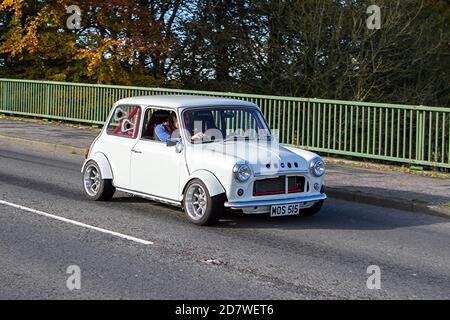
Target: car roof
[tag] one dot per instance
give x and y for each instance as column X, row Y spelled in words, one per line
column 183, row 101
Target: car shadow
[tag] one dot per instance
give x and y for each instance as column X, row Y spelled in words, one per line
column 130, row 199
column 335, row 215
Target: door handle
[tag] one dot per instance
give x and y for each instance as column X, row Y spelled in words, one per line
column 136, row 151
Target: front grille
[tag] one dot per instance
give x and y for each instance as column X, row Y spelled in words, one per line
column 296, row 184
column 269, row 186
column 273, row 186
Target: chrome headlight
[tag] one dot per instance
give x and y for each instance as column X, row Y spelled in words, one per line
column 317, row 167
column 242, row 172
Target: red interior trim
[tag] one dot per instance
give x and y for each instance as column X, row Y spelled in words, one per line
column 267, row 193
column 117, row 130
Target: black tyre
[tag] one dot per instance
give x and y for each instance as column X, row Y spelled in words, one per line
column 313, row 210
column 200, row 208
column 95, row 187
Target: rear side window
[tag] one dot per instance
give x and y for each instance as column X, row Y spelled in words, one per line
column 125, row 122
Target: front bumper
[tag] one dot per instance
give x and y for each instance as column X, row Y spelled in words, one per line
column 266, row 203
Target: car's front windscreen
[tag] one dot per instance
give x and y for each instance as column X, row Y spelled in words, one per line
column 225, row 124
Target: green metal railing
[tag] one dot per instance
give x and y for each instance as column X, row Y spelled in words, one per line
column 401, row 133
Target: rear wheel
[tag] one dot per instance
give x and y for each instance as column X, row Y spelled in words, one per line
column 200, row 207
column 95, row 187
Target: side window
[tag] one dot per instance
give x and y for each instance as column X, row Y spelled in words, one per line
column 153, row 117
column 147, row 130
column 125, row 122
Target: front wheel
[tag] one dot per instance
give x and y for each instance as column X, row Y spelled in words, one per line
column 200, row 207
column 95, row 187
column 313, row 210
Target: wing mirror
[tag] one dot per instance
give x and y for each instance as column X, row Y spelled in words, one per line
column 177, row 143
column 172, row 142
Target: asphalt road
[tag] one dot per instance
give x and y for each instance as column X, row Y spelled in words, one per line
column 323, row 257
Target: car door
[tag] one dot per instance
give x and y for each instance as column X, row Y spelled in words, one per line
column 155, row 167
column 122, row 133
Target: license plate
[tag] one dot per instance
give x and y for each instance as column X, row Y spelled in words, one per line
column 285, row 210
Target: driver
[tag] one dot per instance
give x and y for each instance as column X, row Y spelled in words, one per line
column 165, row 131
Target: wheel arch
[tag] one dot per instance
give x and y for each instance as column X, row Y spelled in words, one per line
column 209, row 179
column 103, row 163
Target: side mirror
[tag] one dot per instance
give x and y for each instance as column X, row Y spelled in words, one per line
column 177, row 143
column 171, row 142
column 179, row 147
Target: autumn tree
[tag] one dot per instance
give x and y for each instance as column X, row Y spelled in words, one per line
column 119, row 42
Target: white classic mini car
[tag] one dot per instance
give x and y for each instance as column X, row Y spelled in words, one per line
column 202, row 154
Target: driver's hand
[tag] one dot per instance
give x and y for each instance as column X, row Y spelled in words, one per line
column 198, row 136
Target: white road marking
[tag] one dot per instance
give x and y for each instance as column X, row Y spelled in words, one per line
column 48, row 215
